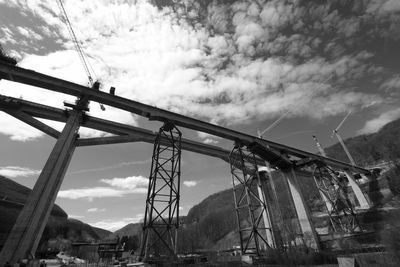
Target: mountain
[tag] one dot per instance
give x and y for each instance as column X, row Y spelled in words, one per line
column 132, row 229
column 60, row 230
column 101, row 233
column 369, row 149
column 12, row 199
column 212, row 224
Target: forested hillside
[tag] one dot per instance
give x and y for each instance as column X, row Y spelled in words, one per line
column 60, row 231
column 372, row 148
column 212, row 224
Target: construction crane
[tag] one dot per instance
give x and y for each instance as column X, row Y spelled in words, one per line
column 79, row 50
column 260, row 134
column 336, row 133
column 267, row 216
column 319, row 146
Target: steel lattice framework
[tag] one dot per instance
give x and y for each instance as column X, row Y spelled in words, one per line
column 333, row 190
column 162, row 212
column 250, row 206
column 161, row 220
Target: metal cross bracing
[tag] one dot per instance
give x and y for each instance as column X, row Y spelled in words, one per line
column 285, row 153
column 161, row 220
column 333, row 190
column 278, row 155
column 253, row 215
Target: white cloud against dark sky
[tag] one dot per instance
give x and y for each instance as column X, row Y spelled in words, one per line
column 240, row 64
column 16, row 171
column 190, row 183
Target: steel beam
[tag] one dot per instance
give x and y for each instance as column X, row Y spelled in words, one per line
column 33, row 78
column 126, row 133
column 108, row 140
column 27, row 231
column 33, row 122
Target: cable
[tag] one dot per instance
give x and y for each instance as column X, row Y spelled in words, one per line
column 81, row 53
column 75, row 41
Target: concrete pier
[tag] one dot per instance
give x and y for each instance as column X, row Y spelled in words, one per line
column 362, row 199
column 303, row 214
column 24, row 237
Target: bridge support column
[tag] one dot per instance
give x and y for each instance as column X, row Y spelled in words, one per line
column 340, row 208
column 161, row 221
column 252, row 210
column 302, row 211
column 24, row 237
column 362, row 200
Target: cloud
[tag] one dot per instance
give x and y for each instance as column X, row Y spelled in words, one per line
column 16, row 129
column 16, row 171
column 384, row 6
column 128, row 183
column 210, row 141
column 90, row 193
column 96, row 210
column 208, row 138
column 190, row 183
column 119, row 187
column 375, row 124
column 116, row 224
column 72, row 216
column 115, row 166
column 228, row 62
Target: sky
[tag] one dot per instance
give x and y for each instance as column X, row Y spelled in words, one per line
column 239, row 64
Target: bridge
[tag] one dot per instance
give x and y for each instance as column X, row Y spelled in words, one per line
column 161, row 221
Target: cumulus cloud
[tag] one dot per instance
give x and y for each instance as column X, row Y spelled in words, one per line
column 90, row 193
column 73, row 216
column 96, row 210
column 190, row 183
column 129, row 183
column 119, row 187
column 385, row 6
column 16, row 129
column 375, row 124
column 226, row 62
column 208, row 138
column 16, row 171
column 116, row 224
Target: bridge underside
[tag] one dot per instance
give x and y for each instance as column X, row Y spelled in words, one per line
column 281, row 157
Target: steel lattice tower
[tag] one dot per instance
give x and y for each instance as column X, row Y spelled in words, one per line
column 162, row 204
column 333, row 190
column 251, row 208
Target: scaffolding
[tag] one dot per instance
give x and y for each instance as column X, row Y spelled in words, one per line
column 333, row 190
column 252, row 212
column 161, row 220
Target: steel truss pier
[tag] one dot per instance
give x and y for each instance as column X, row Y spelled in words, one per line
column 253, row 214
column 161, row 220
column 333, row 190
